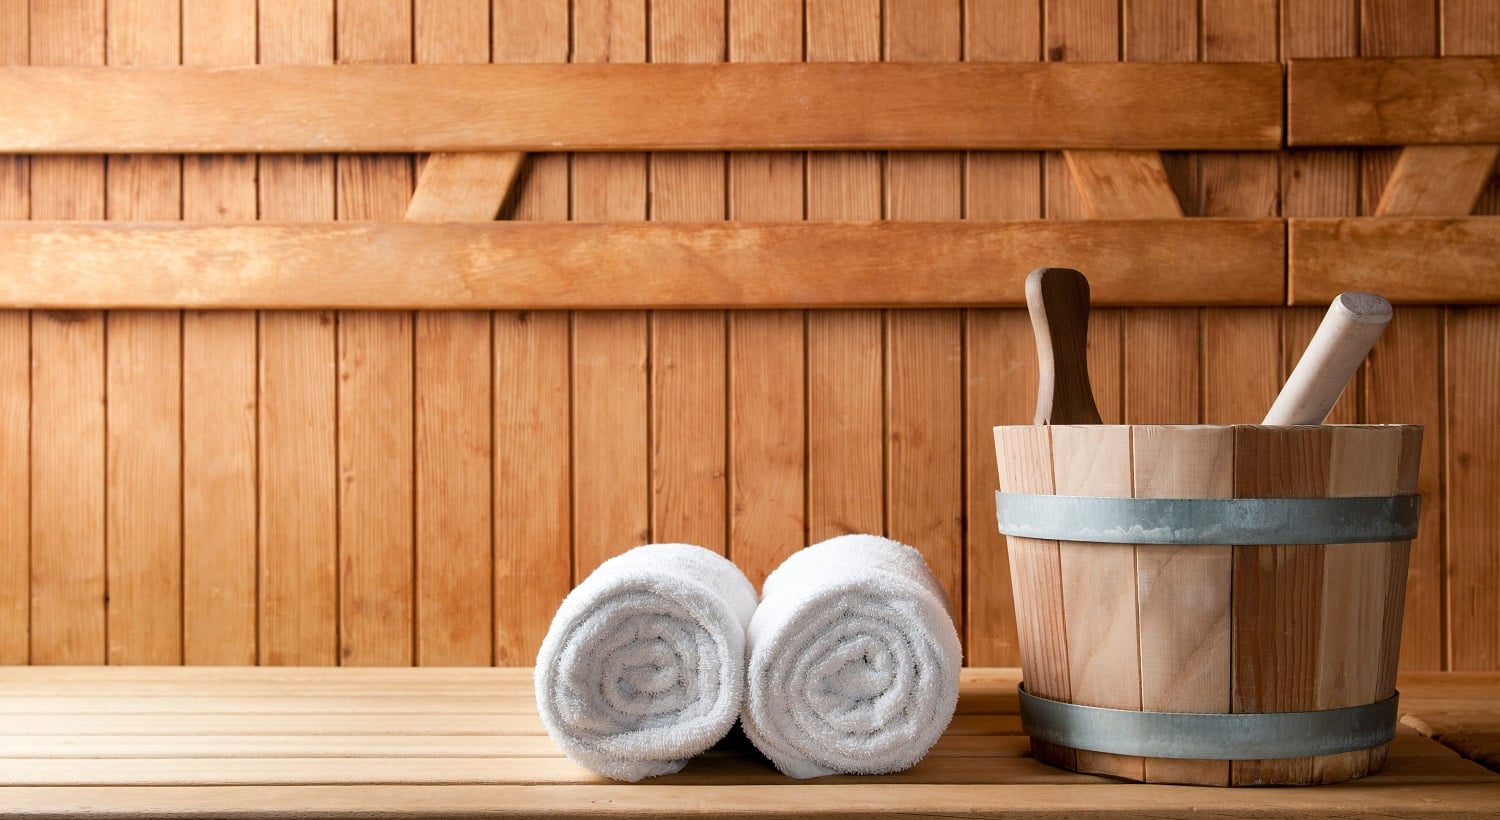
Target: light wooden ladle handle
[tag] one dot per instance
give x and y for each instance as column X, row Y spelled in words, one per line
column 1058, row 300
column 1353, row 323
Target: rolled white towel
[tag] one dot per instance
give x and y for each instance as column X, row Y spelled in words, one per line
column 853, row 660
column 644, row 663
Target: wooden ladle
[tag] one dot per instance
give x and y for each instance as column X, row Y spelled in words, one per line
column 1058, row 300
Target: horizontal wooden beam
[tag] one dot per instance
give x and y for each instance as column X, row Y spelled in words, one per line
column 1407, row 260
column 745, row 106
column 1399, row 101
column 521, row 265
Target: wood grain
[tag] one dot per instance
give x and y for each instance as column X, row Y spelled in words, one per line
column 1473, row 573
column 1278, row 591
column 1162, row 348
column 219, row 398
column 531, row 478
column 467, row 187
column 15, row 390
column 924, row 349
column 1083, row 31
column 1099, row 590
column 999, row 377
column 1393, row 101
column 689, row 388
column 845, row 354
column 1363, row 461
column 453, row 379
column 68, row 609
column 298, row 497
column 143, row 383
column 515, row 265
column 1470, row 397
column 1123, row 184
column 1329, row 256
column 451, row 751
column 615, row 107
column 1437, row 180
column 1184, row 592
column 611, row 468
column 376, row 506
column 1024, row 457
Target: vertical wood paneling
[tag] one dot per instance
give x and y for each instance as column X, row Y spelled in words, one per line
column 218, row 387
column 1086, row 31
column 1000, row 373
column 1471, row 354
column 1277, row 592
column 1161, row 345
column 143, row 382
column 533, row 529
column 1183, row 591
column 376, row 549
column 454, row 533
column 688, row 380
column 67, row 388
column 15, row 388
column 1241, row 346
column 383, row 483
column 767, row 400
column 1100, row 623
column 1318, row 182
column 298, row 598
column 845, row 349
column 924, row 348
column 1402, row 383
column 611, row 471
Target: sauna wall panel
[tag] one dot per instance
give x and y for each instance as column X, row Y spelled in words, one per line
column 399, row 487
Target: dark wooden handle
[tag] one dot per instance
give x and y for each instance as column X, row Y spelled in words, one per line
column 1058, row 299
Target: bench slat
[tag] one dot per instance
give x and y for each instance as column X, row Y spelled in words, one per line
column 1407, row 260
column 579, row 107
column 1396, row 101
column 516, row 265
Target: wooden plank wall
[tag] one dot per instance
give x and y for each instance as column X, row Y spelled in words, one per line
column 358, row 487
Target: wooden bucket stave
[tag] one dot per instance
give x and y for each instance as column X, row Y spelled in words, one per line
column 1210, row 629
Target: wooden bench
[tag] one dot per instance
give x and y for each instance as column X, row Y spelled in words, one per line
column 315, row 742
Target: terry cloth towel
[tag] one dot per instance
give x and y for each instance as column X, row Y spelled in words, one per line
column 644, row 663
column 853, row 660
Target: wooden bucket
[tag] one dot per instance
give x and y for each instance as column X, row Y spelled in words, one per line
column 1219, row 646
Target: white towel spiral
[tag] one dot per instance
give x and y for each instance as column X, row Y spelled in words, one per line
column 853, row 660
column 643, row 666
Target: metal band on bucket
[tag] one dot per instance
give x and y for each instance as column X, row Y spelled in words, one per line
column 1209, row 521
column 1200, row 736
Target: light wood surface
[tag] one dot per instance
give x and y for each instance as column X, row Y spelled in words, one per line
column 516, row 265
column 616, row 107
column 219, row 396
column 297, row 457
column 924, row 352
column 1389, row 256
column 1123, row 184
column 1100, row 616
column 453, row 605
column 1393, row 101
column 1437, row 180
column 15, row 391
column 999, row 378
column 470, row 745
column 1184, row 591
column 67, row 450
column 531, row 471
column 688, row 424
column 767, row 356
column 1353, row 323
